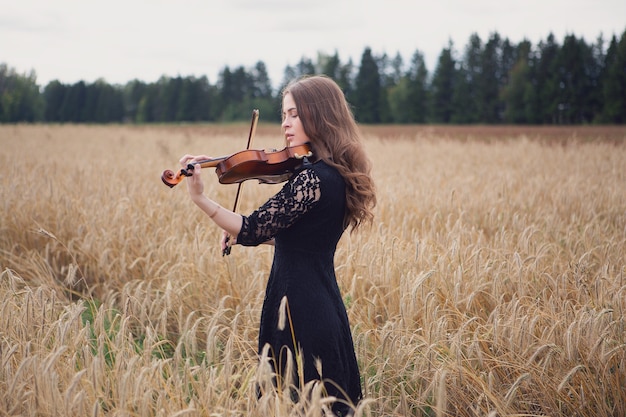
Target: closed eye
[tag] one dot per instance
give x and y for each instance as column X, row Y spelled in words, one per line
column 290, row 113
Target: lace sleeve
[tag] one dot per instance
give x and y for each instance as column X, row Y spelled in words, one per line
column 296, row 198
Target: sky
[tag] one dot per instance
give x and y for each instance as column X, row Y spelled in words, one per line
column 122, row 40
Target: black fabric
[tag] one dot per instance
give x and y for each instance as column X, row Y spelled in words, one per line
column 306, row 219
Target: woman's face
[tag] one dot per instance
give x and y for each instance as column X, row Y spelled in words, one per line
column 292, row 125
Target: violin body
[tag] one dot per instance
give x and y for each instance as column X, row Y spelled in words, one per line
column 266, row 167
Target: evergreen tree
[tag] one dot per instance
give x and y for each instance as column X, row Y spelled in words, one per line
column 397, row 69
column 489, row 82
column 463, row 106
column 417, row 99
column 289, row 74
column 574, row 81
column 614, row 82
column 88, row 110
column 509, row 57
column 133, row 92
column 469, row 99
column 595, row 66
column 205, row 98
column 329, row 65
column 73, row 103
column 261, row 85
column 226, row 87
column 442, row 87
column 399, row 101
column 386, row 82
column 517, row 93
column 346, row 80
column 367, row 92
column 54, row 96
column 147, row 111
column 20, row 100
column 547, row 81
column 262, row 96
column 187, row 101
column 305, row 67
column 231, row 93
column 333, row 67
column 398, row 91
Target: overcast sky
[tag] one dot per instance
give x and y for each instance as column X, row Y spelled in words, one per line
column 121, row 40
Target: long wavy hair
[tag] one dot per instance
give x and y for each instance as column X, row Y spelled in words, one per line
column 335, row 138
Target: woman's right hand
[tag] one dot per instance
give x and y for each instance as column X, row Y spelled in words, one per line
column 227, row 240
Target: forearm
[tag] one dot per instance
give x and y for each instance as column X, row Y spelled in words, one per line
column 224, row 218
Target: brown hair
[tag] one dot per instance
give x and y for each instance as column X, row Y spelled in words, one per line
column 335, row 138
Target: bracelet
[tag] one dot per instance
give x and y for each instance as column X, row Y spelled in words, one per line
column 215, row 212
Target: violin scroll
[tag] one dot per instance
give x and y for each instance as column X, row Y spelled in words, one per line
column 170, row 178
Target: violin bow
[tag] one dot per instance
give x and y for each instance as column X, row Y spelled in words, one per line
column 253, row 124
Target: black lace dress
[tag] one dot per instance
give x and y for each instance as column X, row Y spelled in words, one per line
column 306, row 220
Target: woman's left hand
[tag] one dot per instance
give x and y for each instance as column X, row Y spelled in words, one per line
column 195, row 185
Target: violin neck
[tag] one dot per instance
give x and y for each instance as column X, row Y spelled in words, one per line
column 212, row 162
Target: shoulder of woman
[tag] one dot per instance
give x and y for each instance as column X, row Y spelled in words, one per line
column 323, row 172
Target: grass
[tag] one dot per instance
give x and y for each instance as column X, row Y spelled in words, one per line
column 492, row 282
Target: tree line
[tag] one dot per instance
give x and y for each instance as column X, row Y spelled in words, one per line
column 490, row 81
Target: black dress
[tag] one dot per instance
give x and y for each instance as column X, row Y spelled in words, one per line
column 306, row 219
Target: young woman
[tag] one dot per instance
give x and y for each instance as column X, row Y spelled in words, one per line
column 333, row 191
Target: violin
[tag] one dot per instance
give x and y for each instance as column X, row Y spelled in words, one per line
column 267, row 167
column 270, row 167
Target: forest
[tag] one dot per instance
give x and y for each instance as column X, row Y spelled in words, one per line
column 488, row 81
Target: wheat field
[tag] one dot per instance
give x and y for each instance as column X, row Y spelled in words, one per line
column 492, row 282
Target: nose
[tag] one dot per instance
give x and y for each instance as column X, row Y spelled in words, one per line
column 285, row 123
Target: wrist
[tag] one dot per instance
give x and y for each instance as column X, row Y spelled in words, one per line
column 215, row 210
column 199, row 198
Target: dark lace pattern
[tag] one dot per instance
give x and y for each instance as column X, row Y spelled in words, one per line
column 297, row 197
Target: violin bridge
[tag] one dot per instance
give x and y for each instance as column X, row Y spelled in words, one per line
column 298, row 156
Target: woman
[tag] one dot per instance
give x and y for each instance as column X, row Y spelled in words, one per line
column 304, row 221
